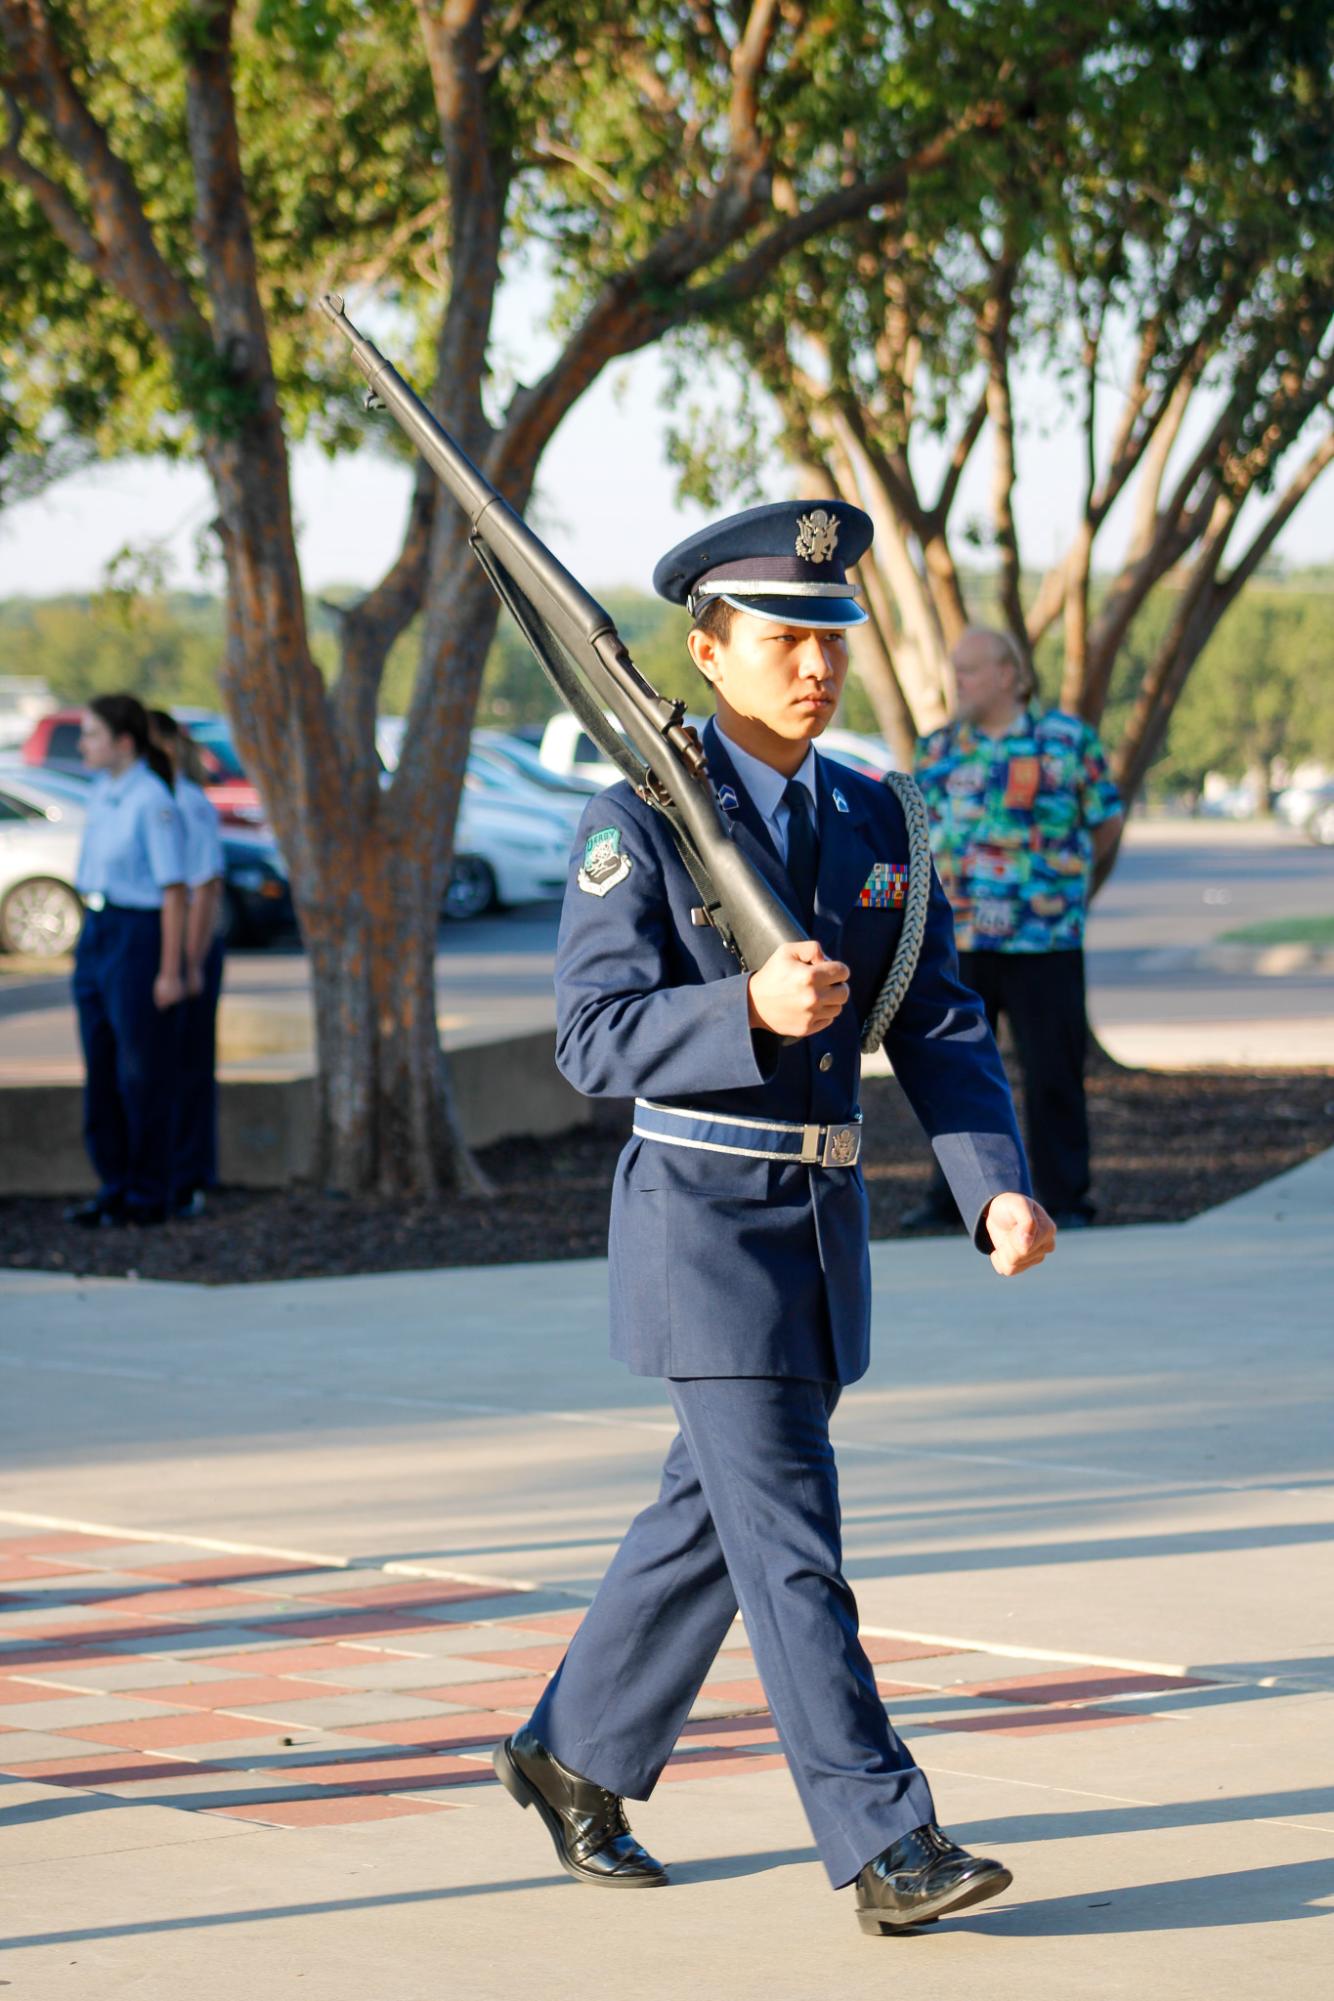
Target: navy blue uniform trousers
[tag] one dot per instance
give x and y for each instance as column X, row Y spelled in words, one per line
column 196, row 1158
column 747, row 1514
column 130, row 1053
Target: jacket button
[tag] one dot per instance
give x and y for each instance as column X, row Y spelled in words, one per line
column 826, row 1061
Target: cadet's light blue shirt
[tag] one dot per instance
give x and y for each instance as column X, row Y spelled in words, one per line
column 203, row 841
column 133, row 839
column 765, row 788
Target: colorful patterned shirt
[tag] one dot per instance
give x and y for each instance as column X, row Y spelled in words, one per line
column 1011, row 819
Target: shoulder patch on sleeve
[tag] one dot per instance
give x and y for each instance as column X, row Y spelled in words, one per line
column 605, row 862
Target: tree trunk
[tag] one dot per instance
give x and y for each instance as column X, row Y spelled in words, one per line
column 385, row 1115
column 873, row 662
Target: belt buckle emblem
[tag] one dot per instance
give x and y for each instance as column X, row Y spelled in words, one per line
column 842, row 1147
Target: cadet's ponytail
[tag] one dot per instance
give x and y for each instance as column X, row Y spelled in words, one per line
column 125, row 715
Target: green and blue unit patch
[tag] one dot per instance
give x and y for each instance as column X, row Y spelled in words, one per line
column 605, row 862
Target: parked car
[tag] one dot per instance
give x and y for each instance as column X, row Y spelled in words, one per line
column 1318, row 825
column 524, row 759
column 40, row 910
column 504, row 853
column 226, row 784
column 53, row 745
column 256, row 895
column 568, row 751
column 513, row 835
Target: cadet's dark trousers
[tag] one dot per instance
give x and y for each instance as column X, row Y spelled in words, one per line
column 1041, row 995
column 130, row 1056
column 196, row 1161
column 748, row 1511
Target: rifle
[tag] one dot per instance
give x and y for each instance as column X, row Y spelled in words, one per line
column 578, row 648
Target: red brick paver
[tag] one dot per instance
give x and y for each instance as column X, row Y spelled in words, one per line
column 245, row 1692
column 326, row 1813
column 445, row 1732
column 168, row 1733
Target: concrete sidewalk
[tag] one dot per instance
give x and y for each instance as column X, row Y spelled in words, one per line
column 1088, row 1517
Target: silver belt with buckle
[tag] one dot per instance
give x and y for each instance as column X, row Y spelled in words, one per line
column 837, row 1145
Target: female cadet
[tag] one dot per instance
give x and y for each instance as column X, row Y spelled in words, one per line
column 195, row 1165
column 128, row 982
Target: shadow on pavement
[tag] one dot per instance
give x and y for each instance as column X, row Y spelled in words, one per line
column 1084, row 1822
column 1237, row 1897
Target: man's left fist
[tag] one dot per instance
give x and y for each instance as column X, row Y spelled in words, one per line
column 1022, row 1233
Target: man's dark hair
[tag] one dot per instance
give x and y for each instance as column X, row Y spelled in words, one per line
column 715, row 617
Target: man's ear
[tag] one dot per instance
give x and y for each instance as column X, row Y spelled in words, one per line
column 703, row 651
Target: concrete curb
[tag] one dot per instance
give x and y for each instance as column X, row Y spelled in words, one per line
column 266, row 1138
column 1269, row 961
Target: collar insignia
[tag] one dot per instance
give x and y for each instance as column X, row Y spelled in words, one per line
column 727, row 799
column 840, row 801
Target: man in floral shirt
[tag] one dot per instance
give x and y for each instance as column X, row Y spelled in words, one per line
column 1024, row 822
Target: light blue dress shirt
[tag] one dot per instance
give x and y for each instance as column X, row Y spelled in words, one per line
column 203, row 840
column 765, row 788
column 133, row 839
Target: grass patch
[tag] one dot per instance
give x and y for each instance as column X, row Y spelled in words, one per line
column 1283, row 931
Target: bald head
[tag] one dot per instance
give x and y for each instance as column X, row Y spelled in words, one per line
column 993, row 679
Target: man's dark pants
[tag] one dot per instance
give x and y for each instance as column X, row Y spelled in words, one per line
column 1041, row 995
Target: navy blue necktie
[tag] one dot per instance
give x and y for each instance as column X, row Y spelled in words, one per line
column 803, row 848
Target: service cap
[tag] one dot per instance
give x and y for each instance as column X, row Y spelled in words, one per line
column 787, row 562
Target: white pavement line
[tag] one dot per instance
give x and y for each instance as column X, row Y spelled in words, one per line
column 1008, row 1650
column 75, row 1526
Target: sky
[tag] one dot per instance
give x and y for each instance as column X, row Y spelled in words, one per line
column 606, row 498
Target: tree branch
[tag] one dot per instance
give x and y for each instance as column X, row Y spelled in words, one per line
column 128, row 257
column 368, row 628
column 748, row 60
column 53, row 200
column 1290, row 500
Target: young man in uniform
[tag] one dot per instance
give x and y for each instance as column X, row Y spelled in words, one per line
column 739, row 1270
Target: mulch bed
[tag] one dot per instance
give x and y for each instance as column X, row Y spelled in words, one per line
column 1166, row 1145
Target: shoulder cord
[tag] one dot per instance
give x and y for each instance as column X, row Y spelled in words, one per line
column 909, row 948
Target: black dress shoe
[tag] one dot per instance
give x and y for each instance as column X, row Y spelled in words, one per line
column 94, row 1214
column 921, row 1877
column 587, row 1823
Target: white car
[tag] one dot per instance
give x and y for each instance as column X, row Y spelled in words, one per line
column 505, row 852
column 569, row 751
column 41, row 913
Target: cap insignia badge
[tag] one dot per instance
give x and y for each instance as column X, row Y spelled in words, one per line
column 817, row 533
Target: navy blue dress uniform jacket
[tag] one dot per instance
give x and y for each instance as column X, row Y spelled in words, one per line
column 727, row 1266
